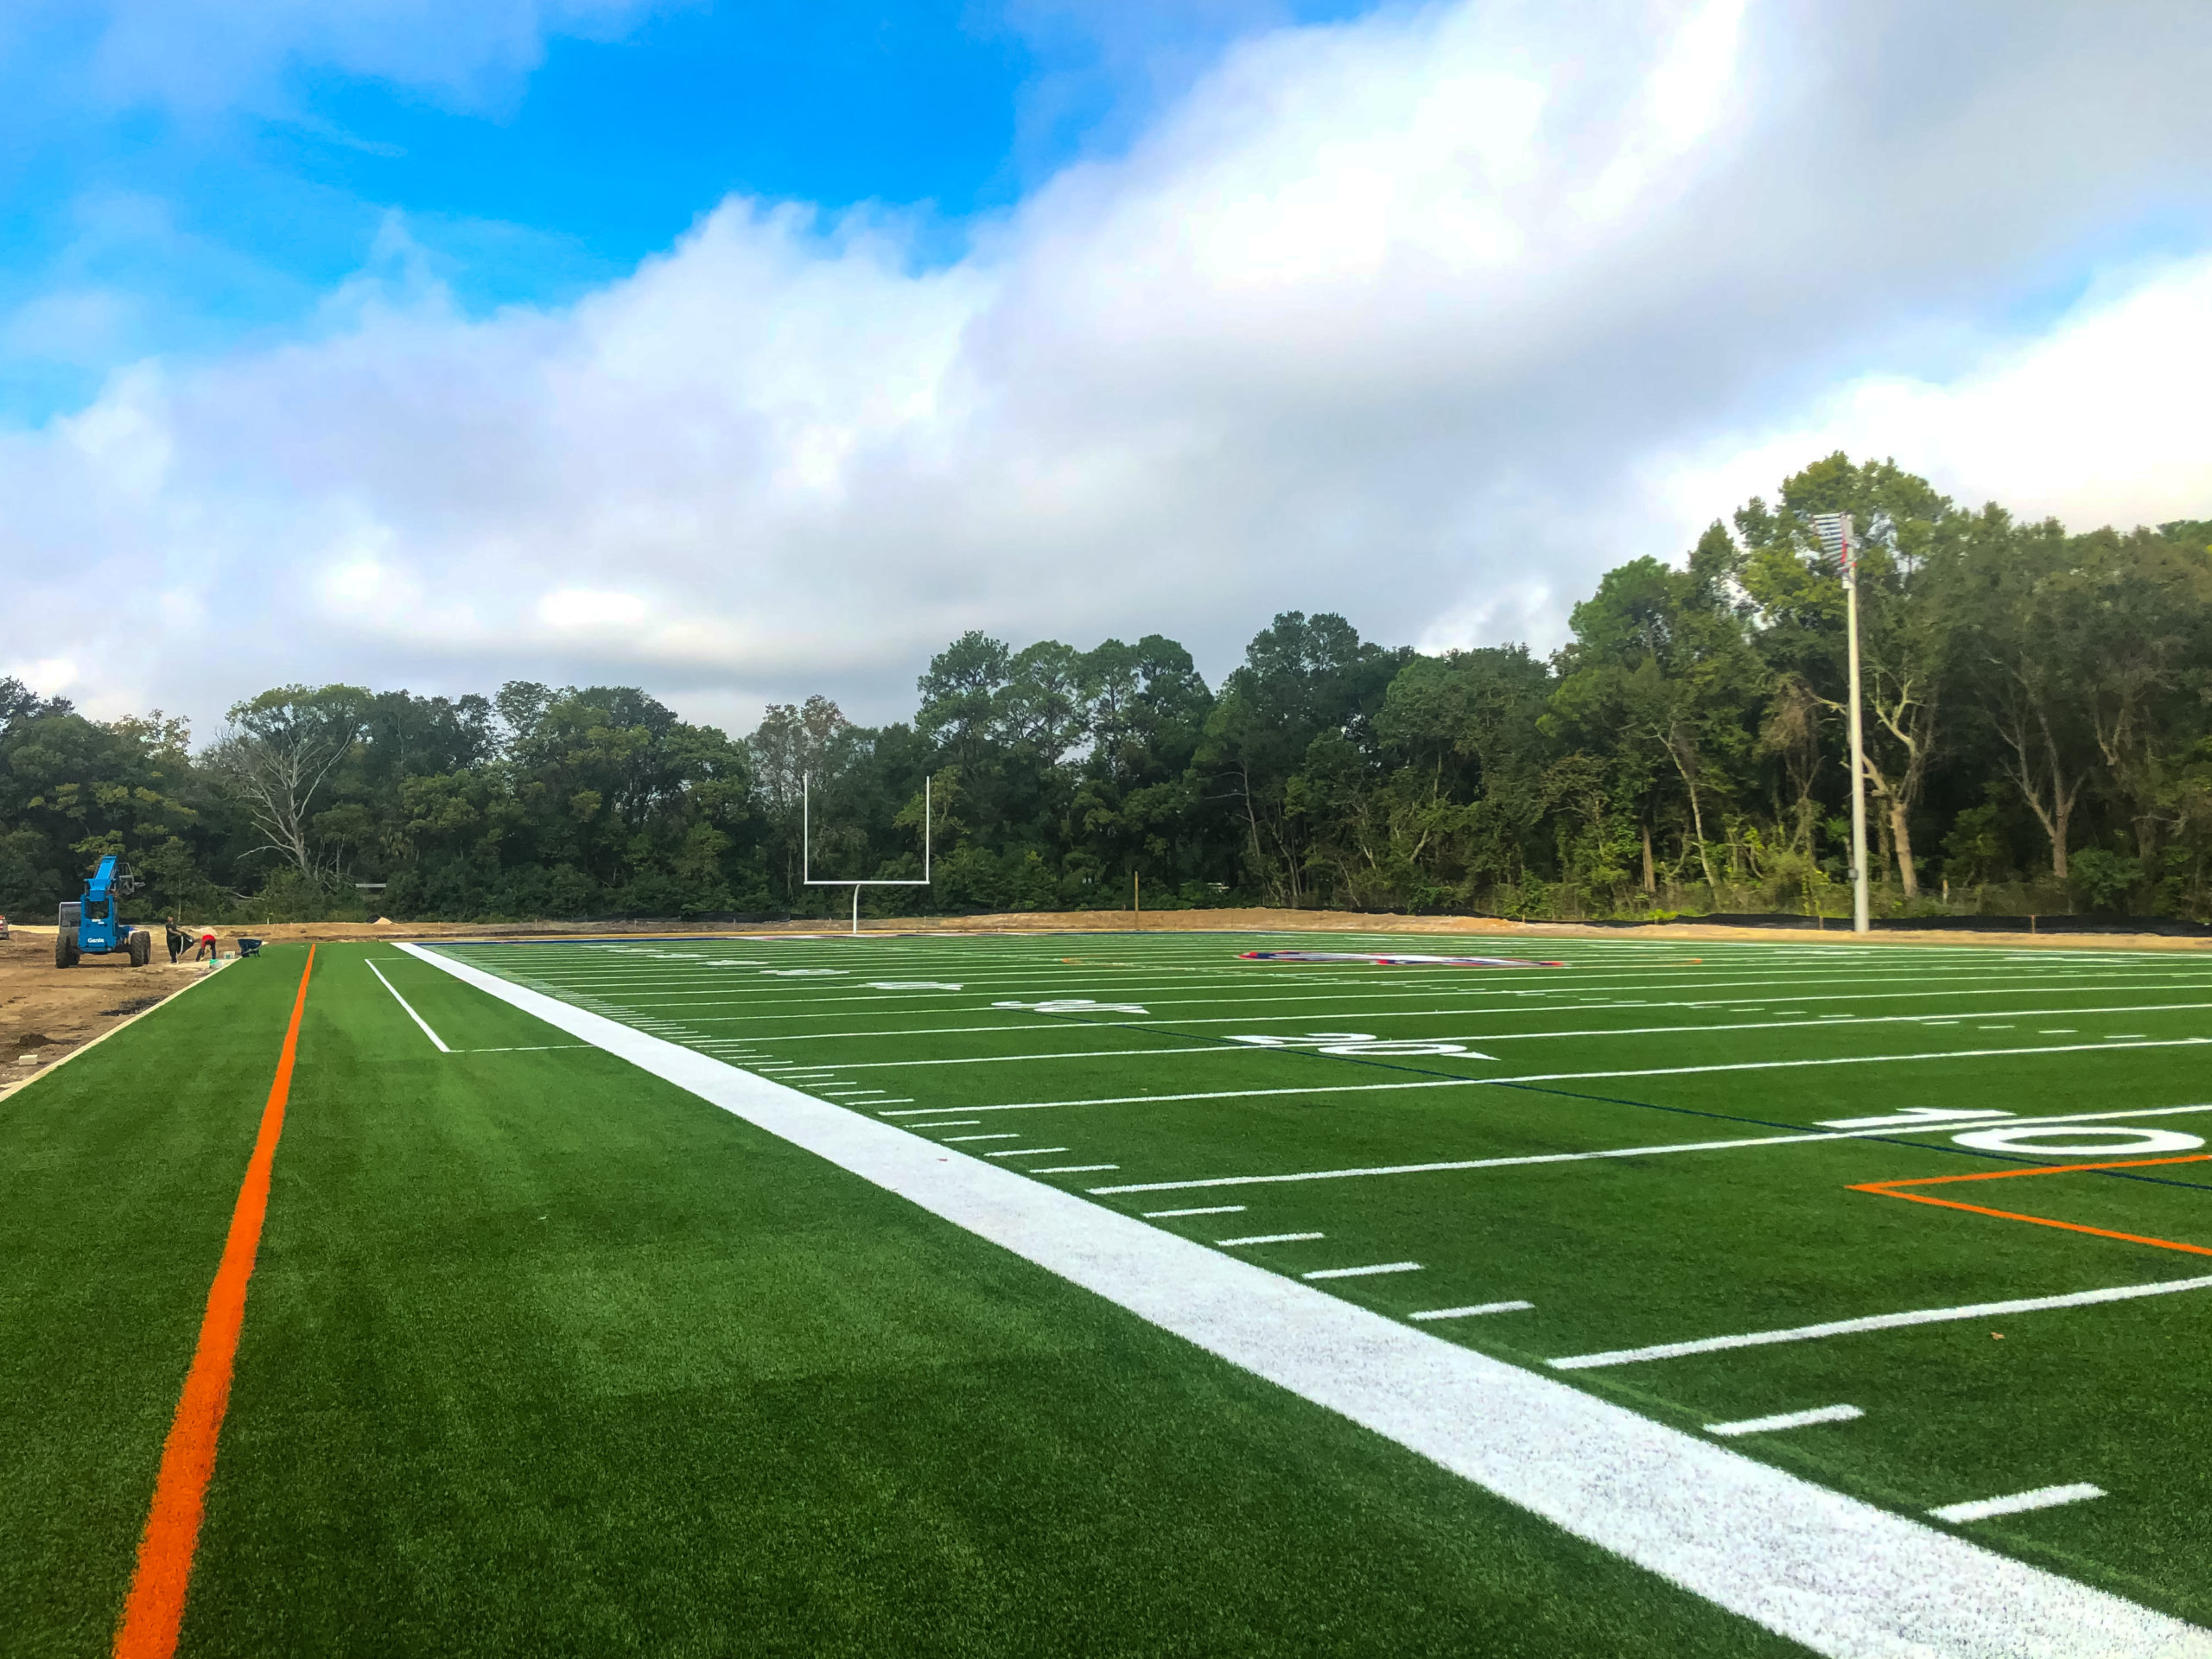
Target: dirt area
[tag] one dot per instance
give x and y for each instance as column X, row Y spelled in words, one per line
column 47, row 1013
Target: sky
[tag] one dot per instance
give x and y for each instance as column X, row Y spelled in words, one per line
column 748, row 352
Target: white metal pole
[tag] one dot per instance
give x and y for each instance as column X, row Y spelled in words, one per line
column 857, row 910
column 1861, row 919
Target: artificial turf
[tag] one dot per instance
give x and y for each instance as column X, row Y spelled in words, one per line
column 546, row 1355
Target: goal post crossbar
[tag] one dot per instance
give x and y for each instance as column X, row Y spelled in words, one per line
column 807, row 878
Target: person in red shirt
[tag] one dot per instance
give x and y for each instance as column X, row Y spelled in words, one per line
column 206, row 946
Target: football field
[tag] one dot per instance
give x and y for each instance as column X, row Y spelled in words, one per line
column 1133, row 1294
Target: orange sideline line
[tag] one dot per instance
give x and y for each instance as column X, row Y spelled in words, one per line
column 153, row 1613
column 1889, row 1190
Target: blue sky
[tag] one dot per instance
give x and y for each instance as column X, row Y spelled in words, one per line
column 232, row 195
column 744, row 353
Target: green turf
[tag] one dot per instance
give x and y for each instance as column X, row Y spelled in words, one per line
column 544, row 1356
column 117, row 1175
column 1613, row 1254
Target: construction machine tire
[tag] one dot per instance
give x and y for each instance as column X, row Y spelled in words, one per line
column 142, row 948
column 64, row 947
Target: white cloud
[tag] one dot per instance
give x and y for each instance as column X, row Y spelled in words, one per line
column 578, row 607
column 2102, row 419
column 1426, row 318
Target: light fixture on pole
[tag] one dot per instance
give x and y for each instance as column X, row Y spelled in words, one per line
column 1834, row 531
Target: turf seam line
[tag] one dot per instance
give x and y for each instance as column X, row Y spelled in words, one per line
column 153, row 1613
column 1841, row 1576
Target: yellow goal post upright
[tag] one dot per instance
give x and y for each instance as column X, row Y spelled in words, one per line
column 807, row 877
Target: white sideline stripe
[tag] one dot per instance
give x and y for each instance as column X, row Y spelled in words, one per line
column 1840, row 1576
column 411, row 1014
column 1267, row 1238
column 1361, row 1273
column 1202, row 1209
column 1470, row 1313
column 1595, row 1077
column 1876, row 1322
column 2042, row 1497
column 1787, row 1420
column 2053, row 1122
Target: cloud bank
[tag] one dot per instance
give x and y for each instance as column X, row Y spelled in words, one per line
column 1426, row 318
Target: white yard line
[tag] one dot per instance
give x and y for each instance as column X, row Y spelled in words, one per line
column 1894, row 1130
column 524, row 1048
column 1839, row 1021
column 1590, row 1076
column 2042, row 1497
column 1842, row 1577
column 411, row 1014
column 1202, row 1209
column 1363, row 1273
column 1876, row 1322
column 1786, row 1420
column 1476, row 1312
column 2010, row 988
column 1267, row 1238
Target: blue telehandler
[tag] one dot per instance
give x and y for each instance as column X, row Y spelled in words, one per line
column 93, row 926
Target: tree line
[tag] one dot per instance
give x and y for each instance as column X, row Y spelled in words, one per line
column 2037, row 707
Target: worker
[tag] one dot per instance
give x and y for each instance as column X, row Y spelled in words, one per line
column 177, row 941
column 206, row 950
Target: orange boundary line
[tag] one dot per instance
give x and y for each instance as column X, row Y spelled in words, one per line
column 1889, row 1190
column 153, row 1613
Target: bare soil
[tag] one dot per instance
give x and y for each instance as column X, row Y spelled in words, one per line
column 48, row 1012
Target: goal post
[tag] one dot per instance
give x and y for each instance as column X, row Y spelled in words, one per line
column 807, row 877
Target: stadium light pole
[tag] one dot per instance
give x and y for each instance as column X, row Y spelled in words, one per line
column 1834, row 529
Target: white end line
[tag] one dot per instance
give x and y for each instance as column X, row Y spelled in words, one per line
column 411, row 1014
